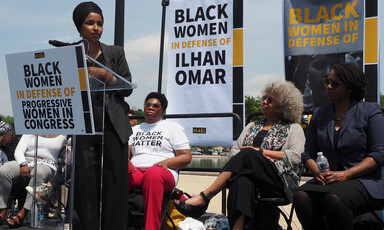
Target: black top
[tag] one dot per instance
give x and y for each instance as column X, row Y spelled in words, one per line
column 258, row 140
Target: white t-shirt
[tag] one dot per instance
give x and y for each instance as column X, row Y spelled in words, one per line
column 152, row 143
column 48, row 149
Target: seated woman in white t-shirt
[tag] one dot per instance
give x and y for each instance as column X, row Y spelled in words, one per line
column 158, row 149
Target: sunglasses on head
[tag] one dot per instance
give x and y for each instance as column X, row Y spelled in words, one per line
column 269, row 99
column 155, row 106
column 334, row 84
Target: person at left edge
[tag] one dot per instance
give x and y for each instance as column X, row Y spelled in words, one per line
column 89, row 21
column 48, row 149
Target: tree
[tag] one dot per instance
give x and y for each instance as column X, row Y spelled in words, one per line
column 138, row 113
column 252, row 104
column 7, row 119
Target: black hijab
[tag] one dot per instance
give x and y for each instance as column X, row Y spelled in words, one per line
column 81, row 12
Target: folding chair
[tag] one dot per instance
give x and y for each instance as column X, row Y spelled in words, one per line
column 136, row 218
column 282, row 201
column 168, row 195
column 379, row 218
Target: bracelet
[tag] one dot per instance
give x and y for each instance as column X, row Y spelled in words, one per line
column 114, row 80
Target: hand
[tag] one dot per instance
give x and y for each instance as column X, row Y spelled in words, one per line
column 100, row 73
column 335, row 177
column 269, row 158
column 162, row 164
column 319, row 178
column 24, row 172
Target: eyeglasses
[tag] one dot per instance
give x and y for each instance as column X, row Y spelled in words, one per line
column 334, row 84
column 269, row 99
column 155, row 106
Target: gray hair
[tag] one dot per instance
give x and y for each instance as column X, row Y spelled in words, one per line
column 290, row 99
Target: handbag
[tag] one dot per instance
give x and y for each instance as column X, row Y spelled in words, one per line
column 172, row 216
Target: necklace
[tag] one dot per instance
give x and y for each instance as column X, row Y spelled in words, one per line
column 340, row 118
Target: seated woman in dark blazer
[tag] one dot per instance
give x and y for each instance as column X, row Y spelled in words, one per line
column 349, row 132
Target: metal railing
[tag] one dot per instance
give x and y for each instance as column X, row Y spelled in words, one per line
column 238, row 126
column 235, row 116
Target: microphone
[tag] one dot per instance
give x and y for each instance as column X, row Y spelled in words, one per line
column 57, row 43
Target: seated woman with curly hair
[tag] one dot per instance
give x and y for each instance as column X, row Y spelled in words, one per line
column 266, row 156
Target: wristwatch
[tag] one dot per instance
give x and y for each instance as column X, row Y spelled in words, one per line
column 23, row 164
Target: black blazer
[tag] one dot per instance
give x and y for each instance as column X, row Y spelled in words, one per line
column 115, row 60
column 361, row 136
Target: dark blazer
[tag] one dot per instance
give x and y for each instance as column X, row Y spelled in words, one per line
column 361, row 136
column 115, row 60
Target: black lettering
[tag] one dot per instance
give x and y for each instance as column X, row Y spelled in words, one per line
column 200, row 14
column 209, row 16
column 27, row 71
column 179, row 31
column 196, row 58
column 208, row 77
column 181, row 77
column 179, row 16
column 41, row 70
column 221, row 11
column 201, row 29
column 47, row 68
column 189, row 19
column 55, row 66
column 194, row 79
column 220, row 74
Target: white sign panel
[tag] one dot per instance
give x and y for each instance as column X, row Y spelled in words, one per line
column 49, row 91
column 200, row 57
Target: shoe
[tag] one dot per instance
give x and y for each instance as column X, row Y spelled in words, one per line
column 16, row 221
column 43, row 192
column 191, row 210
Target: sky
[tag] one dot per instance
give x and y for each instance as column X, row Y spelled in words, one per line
column 28, row 25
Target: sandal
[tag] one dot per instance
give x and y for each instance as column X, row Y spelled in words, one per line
column 192, row 210
column 17, row 220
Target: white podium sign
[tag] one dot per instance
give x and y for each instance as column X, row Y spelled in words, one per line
column 50, row 91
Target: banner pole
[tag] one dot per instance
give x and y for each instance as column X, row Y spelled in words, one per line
column 119, row 22
column 164, row 3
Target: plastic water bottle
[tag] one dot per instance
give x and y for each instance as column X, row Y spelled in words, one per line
column 40, row 219
column 218, row 225
column 322, row 163
column 224, row 223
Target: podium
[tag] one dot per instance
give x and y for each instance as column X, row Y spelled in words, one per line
column 57, row 80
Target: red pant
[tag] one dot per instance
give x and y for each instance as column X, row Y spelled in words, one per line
column 153, row 182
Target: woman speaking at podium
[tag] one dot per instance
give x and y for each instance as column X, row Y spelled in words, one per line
column 88, row 18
